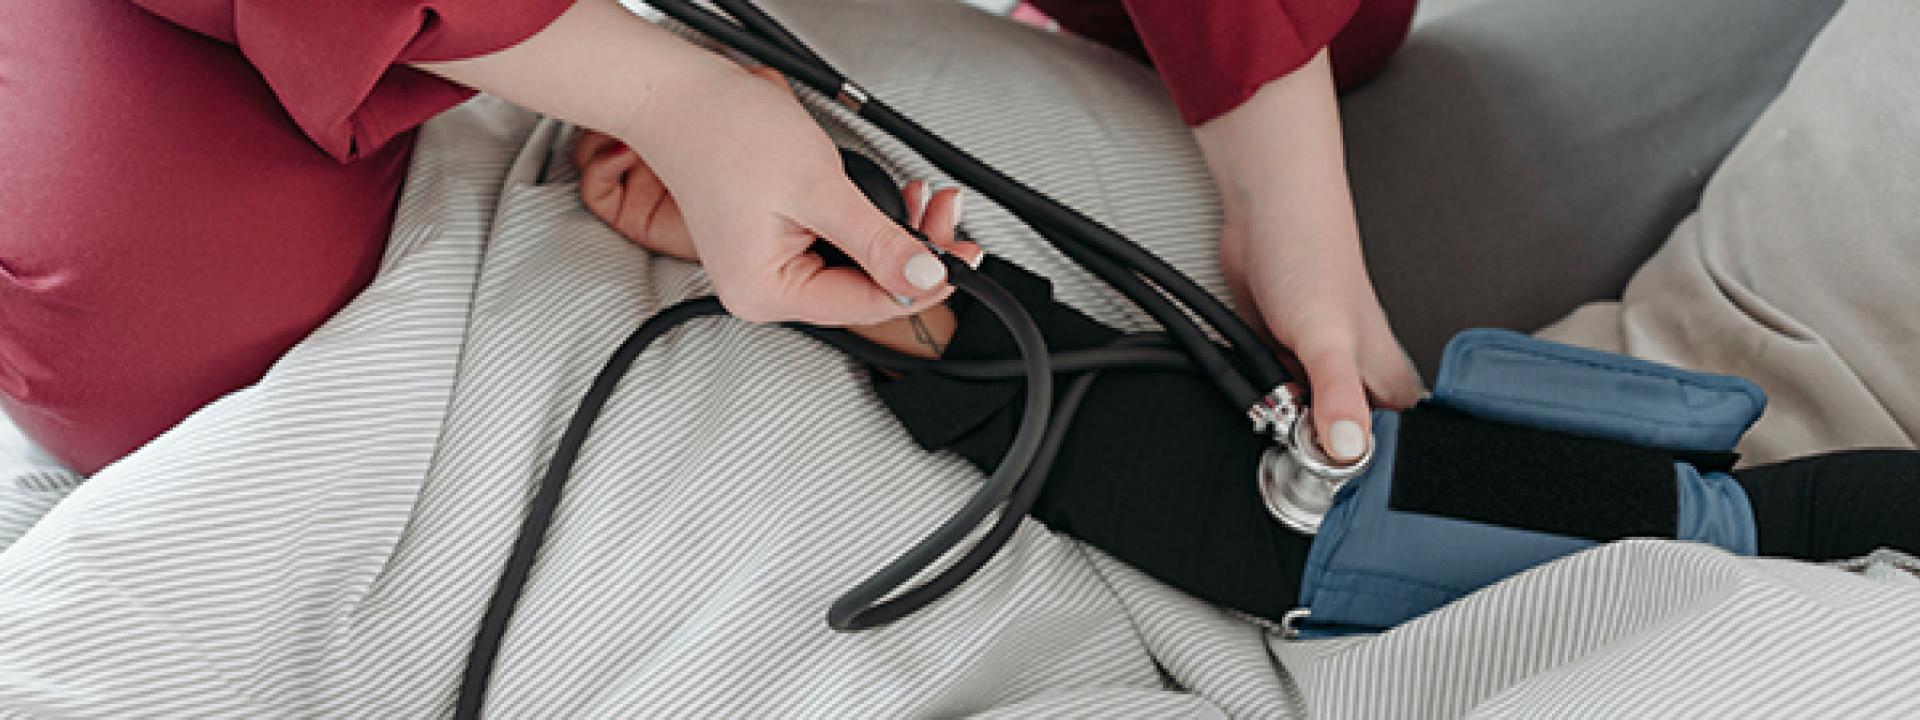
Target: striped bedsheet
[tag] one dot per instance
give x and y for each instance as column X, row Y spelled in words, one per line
column 322, row 544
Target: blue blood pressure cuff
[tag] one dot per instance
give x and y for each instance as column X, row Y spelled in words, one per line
column 1527, row 451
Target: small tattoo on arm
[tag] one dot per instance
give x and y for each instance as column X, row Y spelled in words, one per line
column 924, row 335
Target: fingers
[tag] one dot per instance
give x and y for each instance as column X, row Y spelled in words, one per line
column 588, row 144
column 895, row 260
column 838, row 296
column 603, row 178
column 1340, row 413
column 940, row 220
column 667, row 232
column 617, row 186
column 845, row 296
column 915, row 195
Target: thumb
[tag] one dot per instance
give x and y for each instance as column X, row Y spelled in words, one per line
column 1341, row 419
column 898, row 262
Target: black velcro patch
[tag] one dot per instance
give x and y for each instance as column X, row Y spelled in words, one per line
column 1458, row 466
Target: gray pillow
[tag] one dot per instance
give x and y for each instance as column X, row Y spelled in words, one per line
column 1519, row 157
column 1798, row 270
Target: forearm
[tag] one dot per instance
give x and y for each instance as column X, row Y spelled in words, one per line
column 1281, row 173
column 1278, row 162
column 597, row 65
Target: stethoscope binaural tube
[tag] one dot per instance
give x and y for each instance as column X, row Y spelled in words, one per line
column 863, row 606
column 867, row 604
column 1015, row 484
column 1250, row 375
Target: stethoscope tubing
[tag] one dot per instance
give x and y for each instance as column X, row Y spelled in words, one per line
column 1254, row 371
column 1015, row 484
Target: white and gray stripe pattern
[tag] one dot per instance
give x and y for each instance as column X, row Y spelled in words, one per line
column 322, row 544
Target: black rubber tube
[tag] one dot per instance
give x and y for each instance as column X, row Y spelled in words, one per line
column 1016, row 482
column 757, row 22
column 1133, row 352
column 863, row 606
column 1018, row 505
column 1263, row 368
column 1212, row 363
column 1069, row 227
column 533, row 528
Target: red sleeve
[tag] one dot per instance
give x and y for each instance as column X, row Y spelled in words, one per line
column 1215, row 54
column 337, row 66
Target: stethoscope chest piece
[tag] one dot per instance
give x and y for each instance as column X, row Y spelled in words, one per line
column 1298, row 481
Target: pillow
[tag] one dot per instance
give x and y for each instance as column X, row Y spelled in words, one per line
column 1798, row 270
column 1518, row 158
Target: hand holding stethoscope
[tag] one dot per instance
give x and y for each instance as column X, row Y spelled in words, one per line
column 622, row 189
column 755, row 181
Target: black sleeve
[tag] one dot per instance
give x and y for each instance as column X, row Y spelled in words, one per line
column 1157, row 469
column 1836, row 506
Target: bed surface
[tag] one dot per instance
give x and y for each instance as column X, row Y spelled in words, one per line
column 323, row 543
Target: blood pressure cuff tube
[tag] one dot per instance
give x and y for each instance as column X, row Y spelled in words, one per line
column 1527, row 451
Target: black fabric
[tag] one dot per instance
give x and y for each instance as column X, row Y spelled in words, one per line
column 1156, row 469
column 1708, row 461
column 1838, row 505
column 1450, row 464
column 947, row 411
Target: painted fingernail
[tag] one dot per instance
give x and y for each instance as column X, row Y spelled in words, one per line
column 924, row 271
column 903, row 300
column 959, row 205
column 926, row 195
column 613, row 147
column 1346, row 440
column 977, row 259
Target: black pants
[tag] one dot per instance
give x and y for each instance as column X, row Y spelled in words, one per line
column 1158, row 469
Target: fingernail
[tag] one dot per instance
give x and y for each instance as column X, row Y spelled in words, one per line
column 959, row 206
column 903, row 300
column 926, row 195
column 924, row 271
column 613, row 147
column 1346, row 440
column 977, row 259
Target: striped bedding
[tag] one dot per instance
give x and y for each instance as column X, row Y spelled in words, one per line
column 322, row 544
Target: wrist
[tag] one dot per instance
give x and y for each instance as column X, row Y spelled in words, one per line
column 686, row 79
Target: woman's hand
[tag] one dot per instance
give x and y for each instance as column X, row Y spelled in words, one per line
column 754, row 180
column 1291, row 252
column 756, row 183
column 621, row 188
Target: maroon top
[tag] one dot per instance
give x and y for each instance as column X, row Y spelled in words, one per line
column 168, row 228
column 191, row 186
column 1213, row 55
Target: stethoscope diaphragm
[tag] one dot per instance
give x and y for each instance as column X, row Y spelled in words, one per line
column 1298, row 481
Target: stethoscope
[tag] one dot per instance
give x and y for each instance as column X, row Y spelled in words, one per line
column 1296, row 479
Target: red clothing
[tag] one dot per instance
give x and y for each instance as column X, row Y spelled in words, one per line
column 167, row 227
column 191, row 186
column 1213, row 54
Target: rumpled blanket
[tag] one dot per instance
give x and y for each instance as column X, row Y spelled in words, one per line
column 322, row 544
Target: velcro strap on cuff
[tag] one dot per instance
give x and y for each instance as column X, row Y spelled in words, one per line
column 1458, row 466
